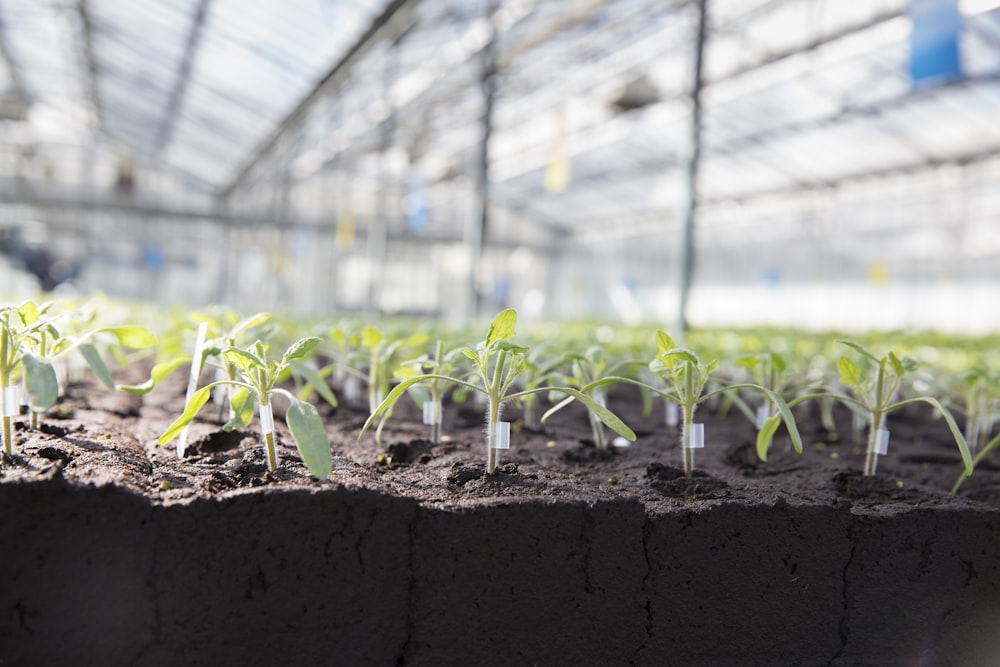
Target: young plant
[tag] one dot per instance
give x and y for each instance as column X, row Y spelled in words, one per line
column 443, row 364
column 382, row 351
column 497, row 362
column 30, row 343
column 259, row 375
column 589, row 370
column 874, row 393
column 686, row 376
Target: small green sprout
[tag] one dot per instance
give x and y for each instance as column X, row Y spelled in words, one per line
column 443, row 364
column 30, row 342
column 873, row 393
column 588, row 372
column 259, row 377
column 497, row 363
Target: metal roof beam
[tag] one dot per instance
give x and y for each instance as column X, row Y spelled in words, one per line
column 384, row 25
column 87, row 37
column 172, row 110
column 16, row 79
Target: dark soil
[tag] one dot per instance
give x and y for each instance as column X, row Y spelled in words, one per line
column 115, row 552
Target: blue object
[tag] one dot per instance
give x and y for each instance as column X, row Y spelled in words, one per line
column 416, row 211
column 934, row 42
column 153, row 257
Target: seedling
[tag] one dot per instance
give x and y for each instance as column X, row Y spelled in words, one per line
column 874, row 393
column 443, row 364
column 30, row 343
column 259, row 377
column 981, row 391
column 589, row 370
column 382, row 351
column 686, row 376
column 497, row 363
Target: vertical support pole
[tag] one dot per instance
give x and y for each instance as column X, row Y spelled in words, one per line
column 476, row 230
column 377, row 233
column 693, row 166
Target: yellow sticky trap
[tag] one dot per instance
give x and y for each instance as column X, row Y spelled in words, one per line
column 878, row 274
column 346, row 225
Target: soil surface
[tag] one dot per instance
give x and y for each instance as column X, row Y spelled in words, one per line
column 116, row 552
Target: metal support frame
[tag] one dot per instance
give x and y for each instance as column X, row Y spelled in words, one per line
column 387, row 21
column 17, row 81
column 172, row 110
column 687, row 259
column 87, row 36
column 478, row 229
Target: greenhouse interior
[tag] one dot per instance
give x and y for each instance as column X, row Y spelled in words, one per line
column 810, row 163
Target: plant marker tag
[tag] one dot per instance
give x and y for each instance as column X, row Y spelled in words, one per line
column 266, row 419
column 601, row 398
column 673, row 414
column 762, row 415
column 501, row 435
column 24, row 390
column 352, row 389
column 882, row 442
column 220, row 394
column 11, row 402
column 199, row 344
column 432, row 413
column 696, row 437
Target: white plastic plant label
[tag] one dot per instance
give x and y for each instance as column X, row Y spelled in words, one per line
column 696, row 437
column 601, row 398
column 11, row 401
column 352, row 389
column 882, row 442
column 673, row 414
column 266, row 419
column 432, row 413
column 220, row 393
column 25, row 399
column 501, row 435
column 762, row 415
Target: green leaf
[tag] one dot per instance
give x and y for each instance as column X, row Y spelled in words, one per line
column 133, row 336
column 897, row 365
column 766, row 434
column 502, row 327
column 315, row 381
column 159, row 373
column 370, row 336
column 41, row 382
column 956, row 432
column 310, row 437
column 301, row 348
column 249, row 323
column 468, row 352
column 28, row 312
column 862, row 350
column 778, row 362
column 243, row 359
column 197, row 402
column 850, row 372
column 664, row 342
column 510, row 347
column 609, row 418
column 97, row 365
column 242, row 403
column 672, row 356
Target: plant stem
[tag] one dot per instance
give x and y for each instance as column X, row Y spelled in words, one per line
column 491, row 424
column 272, row 457
column 597, row 427
column 685, row 439
column 8, row 433
column 871, row 458
column 267, row 428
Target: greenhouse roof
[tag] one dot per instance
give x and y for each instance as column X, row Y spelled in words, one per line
column 797, row 94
